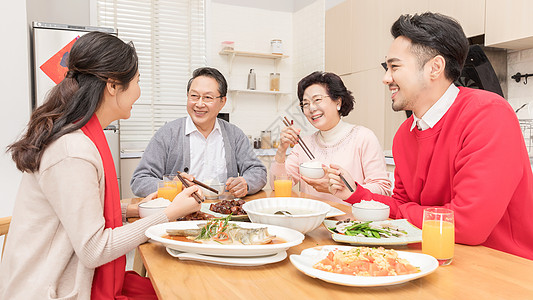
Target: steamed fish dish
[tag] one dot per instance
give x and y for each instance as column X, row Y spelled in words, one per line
column 220, row 231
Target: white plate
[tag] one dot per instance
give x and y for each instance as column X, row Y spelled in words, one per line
column 292, row 237
column 205, row 209
column 305, row 261
column 229, row 261
column 414, row 235
column 335, row 212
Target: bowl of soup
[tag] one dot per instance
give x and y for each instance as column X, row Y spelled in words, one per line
column 312, row 169
column 300, row 214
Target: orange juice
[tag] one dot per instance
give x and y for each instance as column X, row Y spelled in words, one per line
column 283, row 187
column 168, row 191
column 171, row 184
column 438, row 241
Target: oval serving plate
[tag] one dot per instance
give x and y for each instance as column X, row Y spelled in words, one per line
column 414, row 235
column 291, row 236
column 309, row 257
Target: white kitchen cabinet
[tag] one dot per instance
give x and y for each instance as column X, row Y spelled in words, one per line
column 470, row 14
column 509, row 24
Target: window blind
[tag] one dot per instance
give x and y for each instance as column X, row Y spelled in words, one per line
column 169, row 36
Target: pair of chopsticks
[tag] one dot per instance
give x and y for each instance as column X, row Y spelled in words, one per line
column 203, row 185
column 288, row 123
column 186, row 184
column 310, row 155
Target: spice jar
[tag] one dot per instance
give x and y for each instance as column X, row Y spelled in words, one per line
column 276, row 47
column 274, row 81
column 227, row 45
column 265, row 139
column 257, row 143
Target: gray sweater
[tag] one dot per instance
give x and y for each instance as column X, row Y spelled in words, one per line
column 169, row 152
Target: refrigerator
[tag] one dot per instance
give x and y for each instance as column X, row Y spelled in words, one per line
column 50, row 47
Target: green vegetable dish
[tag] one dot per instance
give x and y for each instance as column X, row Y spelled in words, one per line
column 367, row 229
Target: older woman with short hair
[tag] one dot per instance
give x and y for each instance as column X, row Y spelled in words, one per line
column 324, row 100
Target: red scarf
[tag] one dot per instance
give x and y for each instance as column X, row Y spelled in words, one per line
column 108, row 281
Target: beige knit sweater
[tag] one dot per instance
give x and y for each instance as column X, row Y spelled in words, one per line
column 57, row 236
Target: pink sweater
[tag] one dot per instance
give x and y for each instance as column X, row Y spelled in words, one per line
column 474, row 161
column 359, row 152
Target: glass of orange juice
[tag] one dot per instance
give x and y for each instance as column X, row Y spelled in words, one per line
column 438, row 234
column 174, row 177
column 283, row 185
column 167, row 189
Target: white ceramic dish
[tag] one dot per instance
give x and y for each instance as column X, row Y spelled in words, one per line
column 305, row 261
column 335, row 212
column 306, row 215
column 145, row 209
column 311, row 171
column 205, row 209
column 370, row 213
column 292, row 238
column 414, row 235
column 229, row 261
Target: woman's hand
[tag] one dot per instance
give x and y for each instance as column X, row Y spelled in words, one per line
column 319, row 184
column 183, row 204
column 133, row 209
column 287, row 137
column 336, row 185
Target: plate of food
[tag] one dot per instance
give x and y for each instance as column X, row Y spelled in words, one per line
column 363, row 266
column 389, row 232
column 224, row 208
column 221, row 237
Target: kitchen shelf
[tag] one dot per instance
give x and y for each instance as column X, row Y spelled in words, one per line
column 232, row 53
column 257, row 92
column 252, row 54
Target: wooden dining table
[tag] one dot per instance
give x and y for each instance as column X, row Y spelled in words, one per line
column 477, row 272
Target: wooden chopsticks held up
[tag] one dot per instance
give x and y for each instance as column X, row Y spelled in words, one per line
column 302, row 143
column 310, row 155
column 186, row 184
column 203, row 185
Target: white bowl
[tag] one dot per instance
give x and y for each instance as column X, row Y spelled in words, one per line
column 306, row 215
column 147, row 208
column 311, row 169
column 366, row 214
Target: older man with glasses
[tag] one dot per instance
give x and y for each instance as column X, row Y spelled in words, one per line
column 208, row 148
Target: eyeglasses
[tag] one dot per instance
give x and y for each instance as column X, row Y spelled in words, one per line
column 306, row 105
column 207, row 98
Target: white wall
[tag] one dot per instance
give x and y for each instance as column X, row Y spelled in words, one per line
column 519, row 93
column 252, row 29
column 15, row 96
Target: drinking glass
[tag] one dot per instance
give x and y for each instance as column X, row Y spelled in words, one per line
column 174, row 177
column 167, row 189
column 283, row 185
column 438, row 234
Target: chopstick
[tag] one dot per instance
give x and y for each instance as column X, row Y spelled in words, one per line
column 310, row 155
column 186, row 184
column 302, row 143
column 346, row 183
column 203, row 185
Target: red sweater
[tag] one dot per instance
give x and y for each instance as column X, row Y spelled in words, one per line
column 473, row 161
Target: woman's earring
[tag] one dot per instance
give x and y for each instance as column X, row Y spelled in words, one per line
column 338, row 107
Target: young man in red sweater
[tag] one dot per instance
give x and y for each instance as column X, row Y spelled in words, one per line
column 461, row 149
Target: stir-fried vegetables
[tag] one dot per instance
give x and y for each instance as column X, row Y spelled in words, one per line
column 368, row 229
